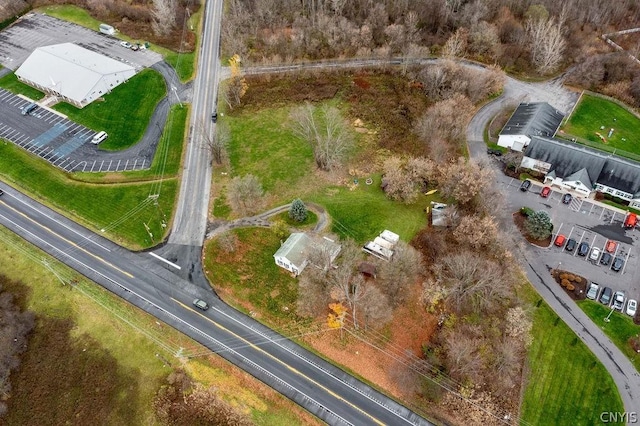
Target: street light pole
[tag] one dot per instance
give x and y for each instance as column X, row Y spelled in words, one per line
column 607, row 318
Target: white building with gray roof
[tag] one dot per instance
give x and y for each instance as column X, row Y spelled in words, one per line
column 74, row 74
column 575, row 167
column 528, row 120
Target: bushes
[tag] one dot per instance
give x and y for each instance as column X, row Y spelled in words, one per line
column 526, row 211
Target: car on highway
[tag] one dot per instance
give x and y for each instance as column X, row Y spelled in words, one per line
column 545, row 192
column 571, row 244
column 583, row 249
column 525, row 185
column 1, row 192
column 592, row 293
column 566, row 198
column 632, row 307
column 606, row 259
column 560, row 240
column 214, row 116
column 617, row 264
column 595, row 254
column 611, row 246
column 201, row 304
column 125, row 44
column 618, row 300
column 605, row 296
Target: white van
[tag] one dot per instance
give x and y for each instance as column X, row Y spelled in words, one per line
column 99, row 137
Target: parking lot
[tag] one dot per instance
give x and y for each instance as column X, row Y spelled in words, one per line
column 36, row 30
column 584, row 221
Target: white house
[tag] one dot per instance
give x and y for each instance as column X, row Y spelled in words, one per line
column 75, row 74
column 529, row 119
column 577, row 168
column 293, row 254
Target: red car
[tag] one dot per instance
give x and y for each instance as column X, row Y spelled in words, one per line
column 611, row 246
column 560, row 239
column 545, row 192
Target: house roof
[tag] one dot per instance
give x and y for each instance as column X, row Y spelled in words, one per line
column 74, row 72
column 533, row 119
column 571, row 161
column 295, row 248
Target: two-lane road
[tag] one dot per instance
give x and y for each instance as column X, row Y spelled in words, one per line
column 318, row 386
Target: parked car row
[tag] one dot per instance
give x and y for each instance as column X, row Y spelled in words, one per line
column 615, row 300
column 545, row 192
column 596, row 255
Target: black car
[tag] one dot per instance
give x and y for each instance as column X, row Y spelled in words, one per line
column 606, row 258
column 617, row 264
column 1, row 192
column 583, row 250
column 571, row 244
column 524, row 186
column 605, row 296
column 214, row 117
column 495, row 152
column 566, row 198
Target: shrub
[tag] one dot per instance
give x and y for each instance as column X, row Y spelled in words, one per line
column 564, row 276
column 538, row 225
column 570, row 287
column 565, row 283
column 527, row 211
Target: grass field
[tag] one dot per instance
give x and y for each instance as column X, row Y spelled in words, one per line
column 250, row 277
column 592, row 113
column 567, row 385
column 125, row 112
column 620, row 328
column 88, row 359
column 122, row 210
column 12, row 84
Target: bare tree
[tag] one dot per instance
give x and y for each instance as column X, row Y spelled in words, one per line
column 476, row 231
column 164, row 16
column 446, row 120
column 216, row 144
column 456, row 44
column 375, row 307
column 312, row 293
column 325, row 130
column 397, row 275
column 245, row 194
column 473, row 283
column 547, row 43
column 464, row 180
column 397, row 183
column 463, row 354
column 484, row 40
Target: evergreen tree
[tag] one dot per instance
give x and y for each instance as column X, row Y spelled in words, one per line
column 298, row 211
column 538, row 225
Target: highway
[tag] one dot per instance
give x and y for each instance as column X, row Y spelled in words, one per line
column 324, row 390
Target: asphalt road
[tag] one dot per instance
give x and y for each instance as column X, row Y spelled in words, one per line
column 321, row 388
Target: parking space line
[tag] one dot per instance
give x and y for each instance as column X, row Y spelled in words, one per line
column 612, row 217
column 626, row 260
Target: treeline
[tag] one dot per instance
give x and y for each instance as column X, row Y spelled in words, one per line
column 15, row 326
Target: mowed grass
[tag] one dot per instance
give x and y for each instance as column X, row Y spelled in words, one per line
column 566, row 384
column 249, row 277
column 619, row 329
column 122, row 210
column 124, row 113
column 12, row 84
column 593, row 112
column 96, row 359
column 73, row 14
column 361, row 212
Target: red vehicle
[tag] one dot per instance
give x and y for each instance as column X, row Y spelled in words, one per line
column 631, row 220
column 611, row 246
column 545, row 192
column 560, row 239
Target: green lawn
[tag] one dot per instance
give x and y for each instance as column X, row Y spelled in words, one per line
column 125, row 112
column 122, row 210
column 620, row 328
column 73, row 14
column 12, row 84
column 594, row 112
column 363, row 212
column 250, row 277
column 567, row 385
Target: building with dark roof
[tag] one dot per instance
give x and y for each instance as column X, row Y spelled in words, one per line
column 578, row 168
column 528, row 120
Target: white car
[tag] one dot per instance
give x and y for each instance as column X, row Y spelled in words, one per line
column 618, row 300
column 632, row 306
column 592, row 293
column 595, row 254
column 125, row 44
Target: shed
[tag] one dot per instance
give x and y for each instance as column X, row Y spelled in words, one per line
column 368, row 269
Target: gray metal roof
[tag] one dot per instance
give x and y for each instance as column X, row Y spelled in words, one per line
column 571, row 161
column 74, row 72
column 533, row 119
